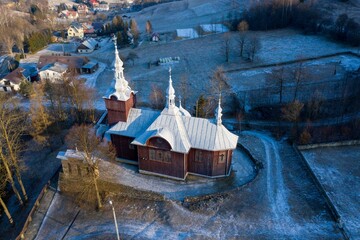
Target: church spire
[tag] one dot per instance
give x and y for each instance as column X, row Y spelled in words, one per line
column 218, row 112
column 122, row 89
column 170, row 93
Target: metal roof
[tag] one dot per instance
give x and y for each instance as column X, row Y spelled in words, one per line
column 182, row 132
column 90, row 43
column 172, row 129
column 138, row 121
column 90, row 64
column 206, row 134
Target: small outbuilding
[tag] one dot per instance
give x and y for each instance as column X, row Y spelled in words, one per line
column 88, row 46
column 90, row 67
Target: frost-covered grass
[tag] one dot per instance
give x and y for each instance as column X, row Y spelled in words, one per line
column 200, row 57
column 281, row 203
column 338, row 170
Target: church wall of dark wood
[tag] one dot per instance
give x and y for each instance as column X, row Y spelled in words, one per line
column 161, row 162
column 124, row 148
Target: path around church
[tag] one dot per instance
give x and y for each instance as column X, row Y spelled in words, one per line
column 243, row 171
column 281, row 203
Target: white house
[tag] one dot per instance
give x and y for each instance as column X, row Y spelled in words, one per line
column 54, row 72
column 102, row 7
column 75, row 30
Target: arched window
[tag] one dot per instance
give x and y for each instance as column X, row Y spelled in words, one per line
column 158, row 142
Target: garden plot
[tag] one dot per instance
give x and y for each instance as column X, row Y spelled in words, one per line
column 338, row 170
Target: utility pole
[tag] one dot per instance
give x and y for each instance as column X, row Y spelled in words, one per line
column 116, row 225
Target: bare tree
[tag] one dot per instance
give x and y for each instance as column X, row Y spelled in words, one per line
column 3, row 181
column 12, row 126
column 90, row 147
column 40, row 118
column 218, row 81
column 298, row 75
column 314, row 105
column 277, row 75
column 253, row 47
column 205, row 106
column 226, row 46
column 82, row 101
column 242, row 28
column 148, row 27
column 184, row 89
column 57, row 94
column 291, row 112
column 134, row 30
column 157, row 98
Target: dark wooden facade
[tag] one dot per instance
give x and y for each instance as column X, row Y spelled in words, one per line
column 158, row 158
column 124, row 148
column 119, row 110
column 162, row 162
column 209, row 163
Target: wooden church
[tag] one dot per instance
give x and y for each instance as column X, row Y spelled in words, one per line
column 170, row 143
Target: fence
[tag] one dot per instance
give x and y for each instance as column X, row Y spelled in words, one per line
column 34, row 208
column 333, row 210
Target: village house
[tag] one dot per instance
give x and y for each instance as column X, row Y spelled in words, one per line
column 89, row 30
column 88, row 46
column 155, row 37
column 170, row 143
column 12, row 81
column 103, row 6
column 69, row 14
column 75, row 30
column 54, row 72
column 93, row 3
column 82, row 9
column 74, row 63
column 90, row 67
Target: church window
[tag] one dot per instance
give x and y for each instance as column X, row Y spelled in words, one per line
column 152, row 154
column 159, row 156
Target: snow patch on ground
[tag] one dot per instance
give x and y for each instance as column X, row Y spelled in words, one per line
column 92, row 78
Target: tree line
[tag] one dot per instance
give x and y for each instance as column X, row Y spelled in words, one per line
column 304, row 15
column 125, row 31
column 27, row 32
column 68, row 102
